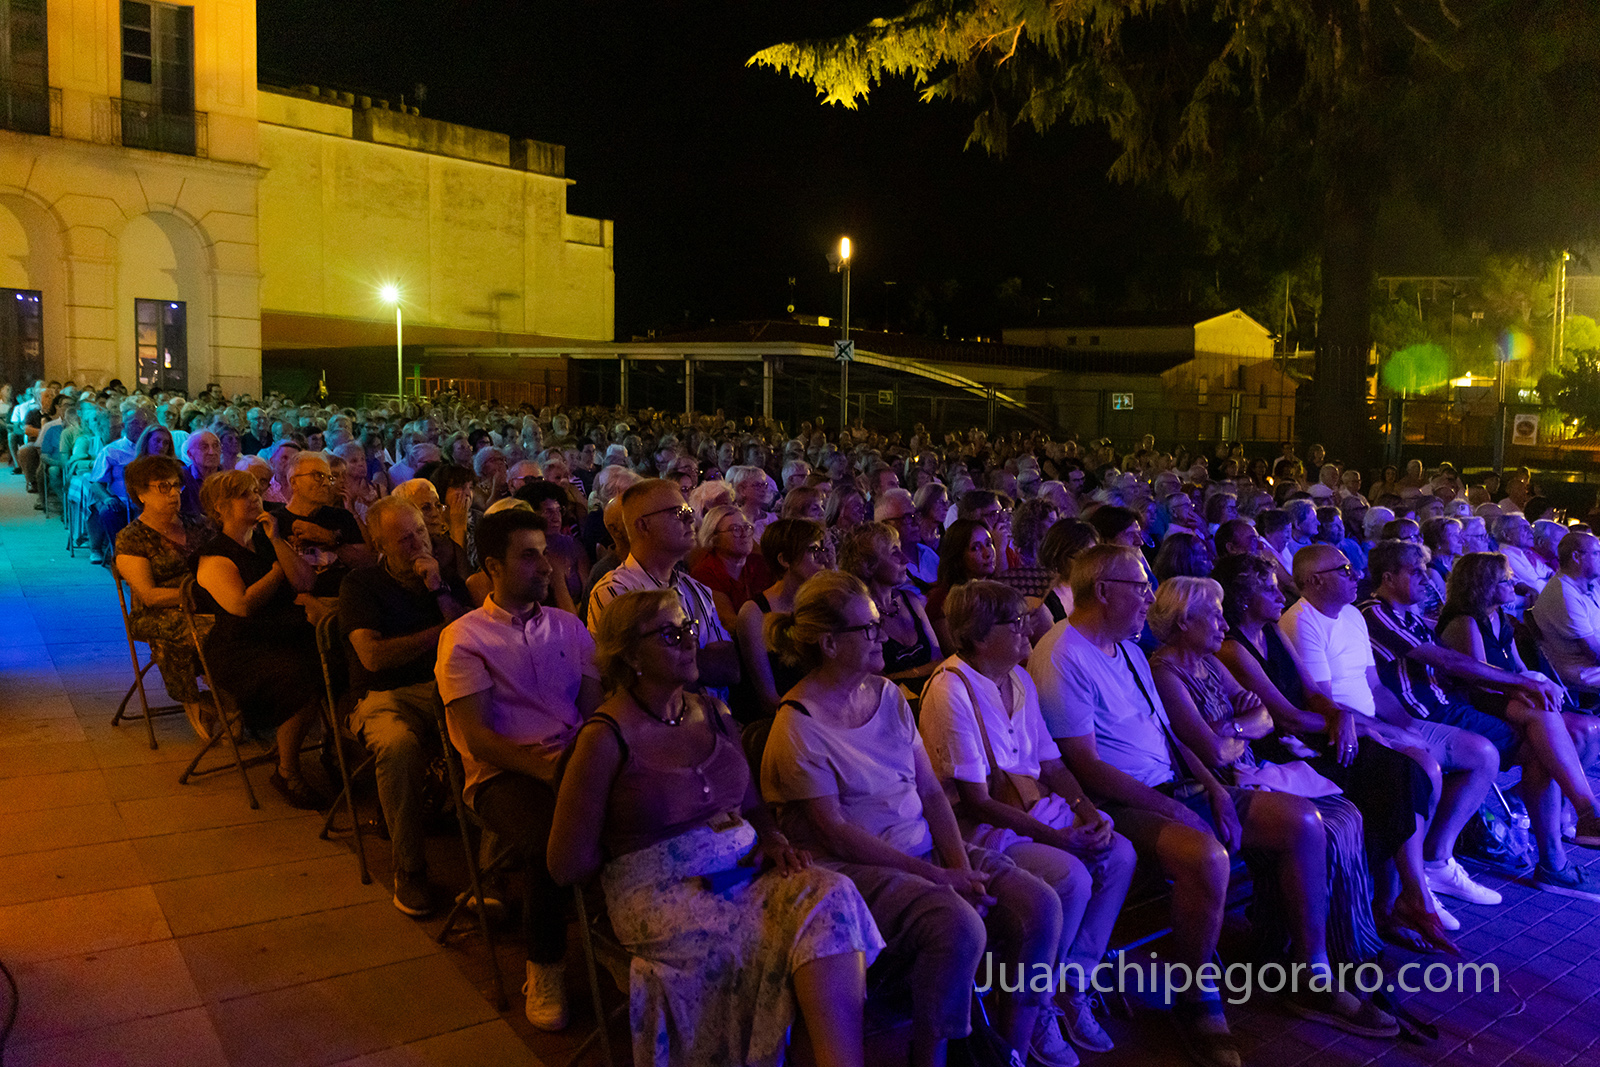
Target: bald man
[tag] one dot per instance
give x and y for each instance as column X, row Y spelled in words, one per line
column 1568, row 614
column 327, row 536
column 660, row 531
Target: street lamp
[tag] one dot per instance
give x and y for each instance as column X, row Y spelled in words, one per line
column 844, row 335
column 391, row 295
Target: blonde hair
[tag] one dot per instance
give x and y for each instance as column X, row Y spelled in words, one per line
column 713, row 517
column 819, row 608
column 1175, row 603
column 1091, row 565
column 861, row 543
column 621, row 631
column 224, row 486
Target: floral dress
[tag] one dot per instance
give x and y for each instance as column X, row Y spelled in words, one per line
column 165, row 630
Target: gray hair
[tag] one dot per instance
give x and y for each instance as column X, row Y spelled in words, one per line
column 483, row 456
column 711, row 520
column 974, row 608
column 1176, row 599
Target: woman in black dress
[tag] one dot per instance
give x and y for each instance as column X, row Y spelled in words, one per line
column 263, row 649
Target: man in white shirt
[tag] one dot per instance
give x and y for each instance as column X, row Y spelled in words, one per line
column 1101, row 706
column 660, row 535
column 1568, row 614
column 1514, row 533
column 517, row 681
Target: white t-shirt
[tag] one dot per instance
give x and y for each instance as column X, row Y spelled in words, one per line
column 1337, row 651
column 1083, row 691
column 950, row 732
column 1568, row 611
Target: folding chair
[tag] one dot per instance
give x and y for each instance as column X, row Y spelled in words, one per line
column 139, row 671
column 330, row 648
column 227, row 725
column 468, row 820
column 590, row 931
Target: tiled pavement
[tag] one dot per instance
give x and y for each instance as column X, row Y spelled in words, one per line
column 155, row 924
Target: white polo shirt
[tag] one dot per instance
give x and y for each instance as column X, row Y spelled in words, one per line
column 1568, row 612
column 1337, row 651
column 532, row 672
column 949, row 724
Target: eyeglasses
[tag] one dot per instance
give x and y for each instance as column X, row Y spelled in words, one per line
column 817, row 550
column 1018, row 625
column 166, row 487
column 683, row 513
column 325, row 479
column 737, row 529
column 872, row 630
column 673, row 636
column 1344, row 569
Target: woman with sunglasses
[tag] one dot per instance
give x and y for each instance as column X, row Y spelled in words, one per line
column 727, row 565
column 846, row 765
column 155, row 552
column 987, row 738
column 794, row 550
column 730, row 926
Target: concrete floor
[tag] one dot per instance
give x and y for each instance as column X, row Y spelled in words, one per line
column 150, row 923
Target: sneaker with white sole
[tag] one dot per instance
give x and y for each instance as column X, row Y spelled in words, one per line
column 1081, row 1027
column 1048, row 1048
column 1452, row 880
column 1573, row 881
column 546, row 996
column 1446, row 920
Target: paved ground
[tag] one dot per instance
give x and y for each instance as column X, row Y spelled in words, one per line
column 152, row 923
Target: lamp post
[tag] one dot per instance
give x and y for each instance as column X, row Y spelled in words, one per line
column 844, row 335
column 391, row 295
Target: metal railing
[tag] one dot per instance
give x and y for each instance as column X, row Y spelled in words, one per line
column 30, row 108
column 139, row 124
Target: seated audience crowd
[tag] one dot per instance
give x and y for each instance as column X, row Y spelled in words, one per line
column 829, row 715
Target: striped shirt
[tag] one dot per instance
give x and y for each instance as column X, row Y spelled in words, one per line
column 693, row 595
column 1394, row 634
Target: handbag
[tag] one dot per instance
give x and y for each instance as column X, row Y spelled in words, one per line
column 1024, row 791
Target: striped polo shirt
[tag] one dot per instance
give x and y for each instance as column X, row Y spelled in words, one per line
column 1394, row 634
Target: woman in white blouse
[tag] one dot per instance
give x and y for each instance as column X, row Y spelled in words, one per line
column 984, row 734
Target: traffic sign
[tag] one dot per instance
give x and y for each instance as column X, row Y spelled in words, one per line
column 844, row 351
column 886, row 396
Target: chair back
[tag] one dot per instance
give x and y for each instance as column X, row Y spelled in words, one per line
column 754, row 740
column 124, row 595
column 189, row 602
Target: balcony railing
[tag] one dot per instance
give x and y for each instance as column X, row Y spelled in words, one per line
column 30, row 108
column 138, row 124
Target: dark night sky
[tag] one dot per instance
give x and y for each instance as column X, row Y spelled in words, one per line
column 725, row 181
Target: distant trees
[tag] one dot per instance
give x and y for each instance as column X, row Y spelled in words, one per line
column 1281, row 125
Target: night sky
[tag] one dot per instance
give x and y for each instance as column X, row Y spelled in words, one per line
column 726, row 181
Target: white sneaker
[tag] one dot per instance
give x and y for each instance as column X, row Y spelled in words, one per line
column 1452, row 880
column 1082, row 1028
column 1446, row 920
column 546, row 994
column 1049, row 1048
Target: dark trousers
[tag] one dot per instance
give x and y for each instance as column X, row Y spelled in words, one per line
column 521, row 810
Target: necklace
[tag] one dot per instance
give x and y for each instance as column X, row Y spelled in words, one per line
column 893, row 610
column 683, row 709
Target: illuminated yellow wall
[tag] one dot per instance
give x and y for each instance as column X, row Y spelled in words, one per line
column 300, row 208
column 474, row 243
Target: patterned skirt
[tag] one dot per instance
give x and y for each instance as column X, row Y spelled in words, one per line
column 709, row 982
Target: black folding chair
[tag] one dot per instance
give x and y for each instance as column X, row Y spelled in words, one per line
column 469, row 821
column 228, row 725
column 139, row 670
column 330, row 649
column 590, row 932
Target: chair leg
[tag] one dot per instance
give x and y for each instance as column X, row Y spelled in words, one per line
column 227, row 730
column 602, row 1021
column 349, row 794
column 138, row 683
column 501, row 1002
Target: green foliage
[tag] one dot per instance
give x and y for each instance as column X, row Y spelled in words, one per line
column 1576, row 390
column 1252, row 112
column 1582, row 336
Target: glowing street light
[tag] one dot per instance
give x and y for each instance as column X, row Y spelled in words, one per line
column 391, row 295
column 844, row 365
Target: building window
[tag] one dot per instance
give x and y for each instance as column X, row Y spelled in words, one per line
column 1072, row 339
column 157, row 105
column 1094, row 338
column 21, row 338
column 162, row 336
column 24, row 73
column 1205, row 386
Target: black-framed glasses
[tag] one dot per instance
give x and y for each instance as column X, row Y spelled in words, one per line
column 817, row 550
column 682, row 512
column 1344, row 568
column 673, row 636
column 872, row 630
column 166, row 487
